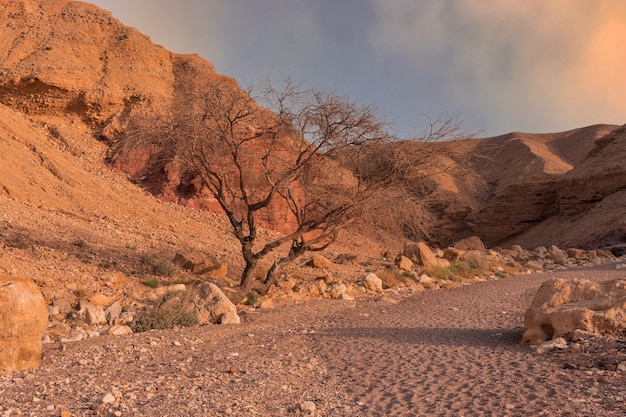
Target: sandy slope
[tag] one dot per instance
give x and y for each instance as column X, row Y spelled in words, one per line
column 436, row 353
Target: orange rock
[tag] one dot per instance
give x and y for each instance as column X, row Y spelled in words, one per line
column 23, row 321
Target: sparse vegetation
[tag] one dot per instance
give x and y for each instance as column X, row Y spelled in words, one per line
column 500, row 274
column 443, row 273
column 79, row 243
column 80, row 292
column 152, row 283
column 252, row 298
column 17, row 241
column 392, row 278
column 170, row 310
column 410, row 275
column 160, row 267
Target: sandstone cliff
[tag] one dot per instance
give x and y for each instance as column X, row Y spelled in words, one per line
column 71, row 60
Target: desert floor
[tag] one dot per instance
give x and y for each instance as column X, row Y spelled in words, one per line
column 449, row 352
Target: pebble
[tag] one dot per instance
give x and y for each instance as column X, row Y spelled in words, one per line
column 108, row 399
column 308, row 408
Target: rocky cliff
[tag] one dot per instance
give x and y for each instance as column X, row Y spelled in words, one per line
column 64, row 60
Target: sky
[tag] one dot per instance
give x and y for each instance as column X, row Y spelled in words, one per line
column 497, row 65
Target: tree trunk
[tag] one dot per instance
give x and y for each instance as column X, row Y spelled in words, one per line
column 270, row 277
column 247, row 277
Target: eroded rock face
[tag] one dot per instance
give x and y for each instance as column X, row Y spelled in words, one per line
column 23, row 321
column 561, row 307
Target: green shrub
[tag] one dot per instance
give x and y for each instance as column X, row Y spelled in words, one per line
column 462, row 269
column 251, row 299
column 500, row 274
column 477, row 262
column 152, row 283
column 170, row 310
column 410, row 275
column 443, row 273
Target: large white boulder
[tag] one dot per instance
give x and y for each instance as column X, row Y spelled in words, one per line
column 561, row 307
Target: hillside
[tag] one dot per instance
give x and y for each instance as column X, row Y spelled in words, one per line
column 73, row 78
column 566, row 188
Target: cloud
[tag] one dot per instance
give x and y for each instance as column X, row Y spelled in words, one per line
column 530, row 63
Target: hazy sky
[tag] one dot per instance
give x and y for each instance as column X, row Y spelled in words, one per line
column 499, row 65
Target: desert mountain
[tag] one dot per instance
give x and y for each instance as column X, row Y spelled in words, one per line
column 72, row 78
column 566, row 188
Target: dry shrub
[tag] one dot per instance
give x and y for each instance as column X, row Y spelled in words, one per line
column 170, row 310
column 393, row 278
column 443, row 273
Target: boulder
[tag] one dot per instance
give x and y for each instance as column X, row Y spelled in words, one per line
column 561, row 307
column 23, row 321
column 199, row 263
column 337, row 290
column 319, row 261
column 421, row 254
column 453, row 254
column 403, row 263
column 314, row 288
column 94, row 314
column 470, row 243
column 373, row 283
column 577, row 254
column 208, row 303
column 119, row 330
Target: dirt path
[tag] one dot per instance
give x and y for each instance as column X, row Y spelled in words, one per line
column 437, row 353
column 457, row 352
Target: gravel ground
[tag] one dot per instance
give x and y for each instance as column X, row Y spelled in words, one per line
column 434, row 353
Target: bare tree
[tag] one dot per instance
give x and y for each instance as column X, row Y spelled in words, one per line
column 407, row 207
column 248, row 157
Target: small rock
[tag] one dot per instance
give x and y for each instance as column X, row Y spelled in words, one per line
column 346, row 297
column 113, row 311
column 318, row 261
column 119, row 330
column 108, row 399
column 230, row 317
column 101, row 300
column 558, row 343
column 94, row 314
column 308, row 408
